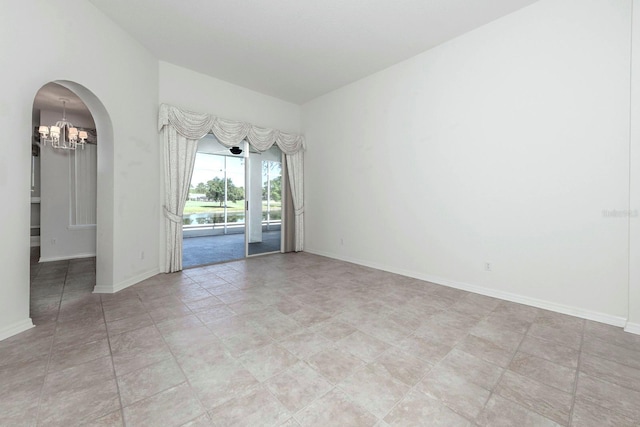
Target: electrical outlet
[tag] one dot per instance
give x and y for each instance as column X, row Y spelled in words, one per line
column 487, row 266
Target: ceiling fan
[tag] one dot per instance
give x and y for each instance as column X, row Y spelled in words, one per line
column 236, row 150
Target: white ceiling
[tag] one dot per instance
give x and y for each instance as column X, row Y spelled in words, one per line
column 297, row 50
column 49, row 98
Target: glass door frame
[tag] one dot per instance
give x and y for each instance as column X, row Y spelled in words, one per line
column 247, row 215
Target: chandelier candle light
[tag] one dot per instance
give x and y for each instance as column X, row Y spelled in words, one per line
column 63, row 135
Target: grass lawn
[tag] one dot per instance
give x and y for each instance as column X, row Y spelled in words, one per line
column 207, row 207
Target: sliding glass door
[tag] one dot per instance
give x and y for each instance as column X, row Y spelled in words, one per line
column 234, row 205
column 214, row 214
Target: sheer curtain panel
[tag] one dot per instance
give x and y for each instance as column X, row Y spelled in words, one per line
column 179, row 157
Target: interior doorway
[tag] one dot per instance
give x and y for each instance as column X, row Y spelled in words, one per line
column 234, row 205
column 63, row 200
column 63, row 180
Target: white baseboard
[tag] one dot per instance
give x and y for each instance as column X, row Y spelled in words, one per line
column 16, row 328
column 68, row 257
column 534, row 302
column 633, row 328
column 108, row 289
column 508, row 296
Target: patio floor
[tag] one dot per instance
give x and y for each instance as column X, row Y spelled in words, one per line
column 220, row 248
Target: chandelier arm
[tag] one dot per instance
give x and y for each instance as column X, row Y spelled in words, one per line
column 63, row 135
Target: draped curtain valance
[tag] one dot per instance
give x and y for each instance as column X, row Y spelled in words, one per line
column 230, row 133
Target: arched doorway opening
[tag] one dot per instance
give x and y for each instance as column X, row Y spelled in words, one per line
column 76, row 191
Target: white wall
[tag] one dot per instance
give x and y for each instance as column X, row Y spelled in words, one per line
column 200, row 93
column 504, row 146
column 633, row 324
column 59, row 240
column 123, row 76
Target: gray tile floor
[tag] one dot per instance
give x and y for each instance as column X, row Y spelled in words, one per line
column 298, row 339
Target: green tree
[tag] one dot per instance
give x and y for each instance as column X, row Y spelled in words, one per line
column 200, row 188
column 274, row 171
column 234, row 193
column 215, row 191
column 276, row 189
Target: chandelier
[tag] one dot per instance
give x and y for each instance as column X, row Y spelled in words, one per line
column 63, row 134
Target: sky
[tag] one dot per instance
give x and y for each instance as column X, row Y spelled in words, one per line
column 208, row 166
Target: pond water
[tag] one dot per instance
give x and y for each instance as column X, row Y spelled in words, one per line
column 213, row 218
column 218, row 217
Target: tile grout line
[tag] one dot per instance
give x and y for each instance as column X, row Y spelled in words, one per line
column 446, row 310
column 492, row 391
column 155, row 325
column 605, row 380
column 577, row 376
column 501, row 374
column 55, row 331
column 306, row 362
column 609, row 358
column 275, row 341
column 113, row 366
column 484, row 405
column 175, row 359
column 413, row 387
column 365, row 363
column 262, row 383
